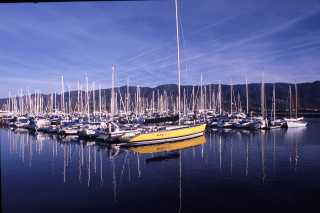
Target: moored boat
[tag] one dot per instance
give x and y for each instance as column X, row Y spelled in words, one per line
column 168, row 134
column 295, row 122
column 21, row 122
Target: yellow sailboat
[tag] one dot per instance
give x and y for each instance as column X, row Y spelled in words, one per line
column 170, row 134
column 167, row 147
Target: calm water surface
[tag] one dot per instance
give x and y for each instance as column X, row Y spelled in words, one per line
column 278, row 169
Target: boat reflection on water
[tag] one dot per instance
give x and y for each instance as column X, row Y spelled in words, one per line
column 225, row 147
column 236, row 156
column 169, row 147
column 294, row 137
column 170, row 151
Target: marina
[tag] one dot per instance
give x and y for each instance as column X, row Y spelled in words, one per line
column 117, row 108
column 139, row 122
column 140, row 125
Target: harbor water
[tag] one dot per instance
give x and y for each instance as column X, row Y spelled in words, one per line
column 229, row 169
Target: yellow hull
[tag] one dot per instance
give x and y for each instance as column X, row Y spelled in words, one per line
column 168, row 135
column 167, row 147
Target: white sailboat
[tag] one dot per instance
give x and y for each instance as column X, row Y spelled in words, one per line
column 297, row 121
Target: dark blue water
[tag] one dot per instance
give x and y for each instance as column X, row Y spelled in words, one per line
column 272, row 170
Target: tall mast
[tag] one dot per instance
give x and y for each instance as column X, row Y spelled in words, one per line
column 201, row 92
column 69, row 100
column 231, row 94
column 62, row 94
column 93, row 99
column 78, row 100
column 205, row 97
column 116, row 102
column 220, row 98
column 193, row 103
column 239, row 107
column 127, row 98
column 55, row 102
column 158, row 103
column 112, row 92
column 296, row 91
column 184, row 101
column 178, row 58
column 51, row 101
column 274, row 102
column 262, row 97
column 152, row 101
column 247, row 96
column 213, row 100
column 9, row 101
column 100, row 103
column 88, row 107
column 21, row 102
column 290, row 101
column 136, row 102
column 210, row 97
column 81, row 100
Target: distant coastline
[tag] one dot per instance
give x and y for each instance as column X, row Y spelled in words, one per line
column 308, row 95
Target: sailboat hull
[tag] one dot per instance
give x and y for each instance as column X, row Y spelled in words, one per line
column 168, row 135
column 295, row 122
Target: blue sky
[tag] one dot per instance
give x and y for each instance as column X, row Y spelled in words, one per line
column 222, row 39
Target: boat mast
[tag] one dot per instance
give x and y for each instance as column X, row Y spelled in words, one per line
column 136, row 102
column 69, row 99
column 152, row 101
column 112, row 92
column 9, row 101
column 296, row 91
column 262, row 97
column 274, row 102
column 128, row 98
column 93, row 99
column 62, row 94
column 55, row 102
column 201, row 92
column 88, row 107
column 205, row 98
column 81, row 100
column 78, row 96
column 220, row 98
column 158, row 100
column 290, row 101
column 231, row 94
column 247, row 96
column 21, row 101
column 178, row 58
column 214, row 107
column 239, row 107
column 210, row 96
column 51, row 101
column 184, row 101
column 100, row 102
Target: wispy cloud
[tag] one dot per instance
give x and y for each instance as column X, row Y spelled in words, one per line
column 39, row 43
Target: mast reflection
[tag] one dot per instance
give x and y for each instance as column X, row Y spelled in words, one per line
column 255, row 154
